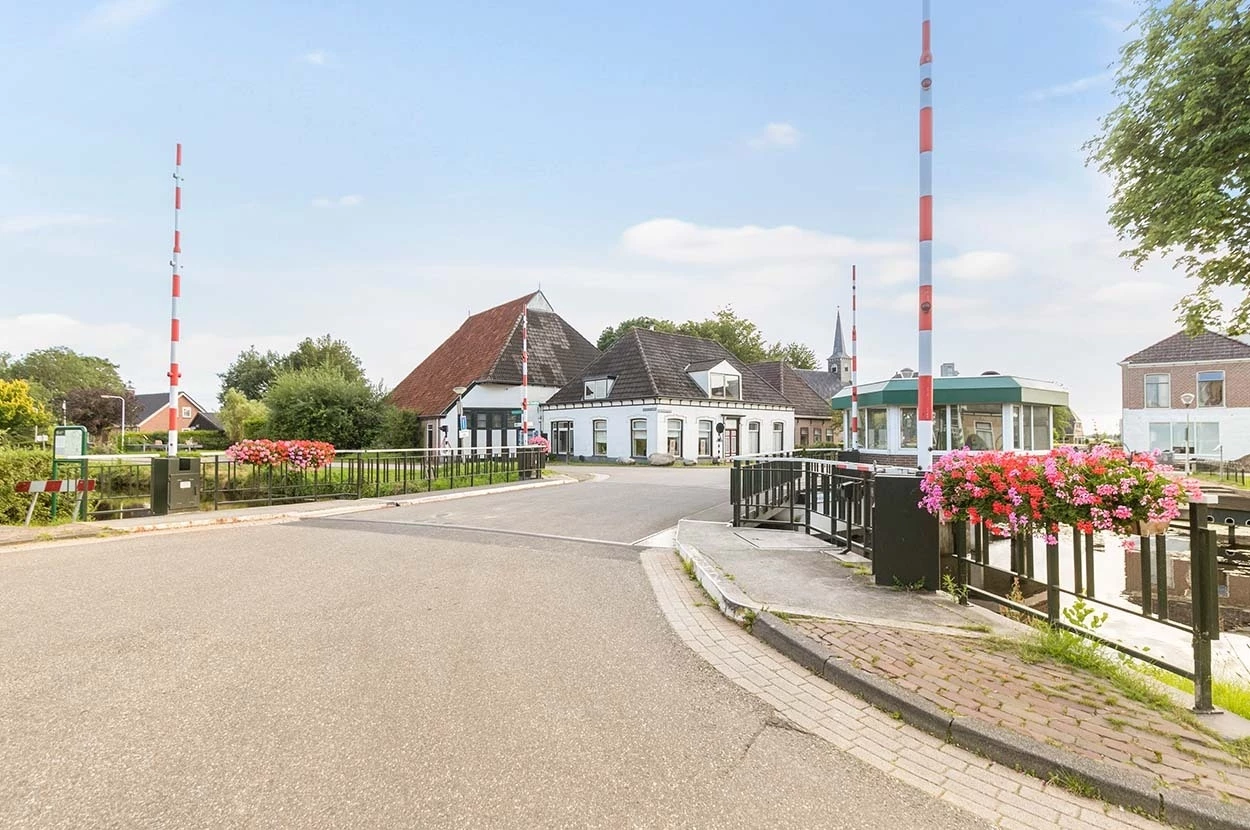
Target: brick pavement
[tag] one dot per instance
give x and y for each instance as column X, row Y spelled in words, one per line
column 1057, row 704
column 1000, row 795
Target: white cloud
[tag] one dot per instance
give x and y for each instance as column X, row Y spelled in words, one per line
column 38, row 222
column 350, row 200
column 1070, row 88
column 677, row 241
column 977, row 266
column 116, row 15
column 317, row 58
column 776, row 136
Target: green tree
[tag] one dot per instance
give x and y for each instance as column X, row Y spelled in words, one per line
column 401, row 429
column 322, row 405
column 53, row 373
column 98, row 414
column 325, row 351
column 740, row 336
column 1063, row 419
column 614, row 333
column 1175, row 145
column 237, row 410
column 251, row 373
column 795, row 354
column 21, row 413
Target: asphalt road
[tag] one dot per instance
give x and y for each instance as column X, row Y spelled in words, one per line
column 387, row 670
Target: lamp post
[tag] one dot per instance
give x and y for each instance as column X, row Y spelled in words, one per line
column 121, row 442
column 1187, row 400
column 459, row 390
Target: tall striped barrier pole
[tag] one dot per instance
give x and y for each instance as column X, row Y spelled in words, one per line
column 924, row 387
column 175, row 328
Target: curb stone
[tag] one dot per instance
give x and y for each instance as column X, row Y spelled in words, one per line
column 1125, row 788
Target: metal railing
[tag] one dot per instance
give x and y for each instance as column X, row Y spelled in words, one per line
column 1156, row 605
column 125, row 483
column 808, row 491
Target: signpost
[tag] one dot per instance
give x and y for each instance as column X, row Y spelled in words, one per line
column 69, row 445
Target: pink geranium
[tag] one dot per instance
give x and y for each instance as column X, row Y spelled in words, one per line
column 266, row 453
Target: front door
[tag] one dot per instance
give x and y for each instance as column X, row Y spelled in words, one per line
column 731, row 439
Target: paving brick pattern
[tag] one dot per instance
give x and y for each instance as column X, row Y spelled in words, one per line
column 997, row 794
column 1059, row 705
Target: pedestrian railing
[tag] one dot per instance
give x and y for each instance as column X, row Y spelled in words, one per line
column 125, row 484
column 1158, row 602
column 821, row 496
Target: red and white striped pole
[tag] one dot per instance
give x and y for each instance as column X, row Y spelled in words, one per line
column 854, row 367
column 924, row 387
column 176, row 292
column 525, row 373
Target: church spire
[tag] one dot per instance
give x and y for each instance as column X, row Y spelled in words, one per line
column 839, row 350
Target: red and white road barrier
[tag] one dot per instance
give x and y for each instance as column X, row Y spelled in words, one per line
column 64, row 485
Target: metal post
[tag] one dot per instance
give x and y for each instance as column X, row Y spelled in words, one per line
column 924, row 385
column 1161, row 576
column 960, row 529
column 1206, row 605
column 1079, row 584
column 1089, row 564
column 1147, row 597
column 175, row 327
column 1052, row 582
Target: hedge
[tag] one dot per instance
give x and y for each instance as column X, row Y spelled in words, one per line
column 23, row 465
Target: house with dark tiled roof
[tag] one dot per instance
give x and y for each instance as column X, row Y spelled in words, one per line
column 484, row 357
column 813, row 416
column 152, row 413
column 658, row 392
column 1189, row 396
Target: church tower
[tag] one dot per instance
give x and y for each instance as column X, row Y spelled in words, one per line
column 840, row 361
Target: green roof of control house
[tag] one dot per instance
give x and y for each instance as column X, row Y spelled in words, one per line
column 957, row 390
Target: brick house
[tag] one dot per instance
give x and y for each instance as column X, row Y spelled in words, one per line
column 1188, row 394
column 484, row 357
column 813, row 417
column 151, row 413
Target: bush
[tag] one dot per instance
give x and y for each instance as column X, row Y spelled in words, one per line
column 401, row 429
column 23, row 465
column 257, row 427
column 321, row 404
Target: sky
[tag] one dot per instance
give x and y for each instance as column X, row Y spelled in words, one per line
column 379, row 170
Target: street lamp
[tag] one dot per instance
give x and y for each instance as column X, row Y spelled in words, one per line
column 459, row 390
column 121, row 442
column 1187, row 400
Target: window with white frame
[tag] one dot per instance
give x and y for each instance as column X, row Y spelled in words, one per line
column 724, row 385
column 186, row 412
column 803, row 436
column 779, row 436
column 1198, row 437
column 753, row 437
column 941, row 435
column 600, row 430
column 562, row 437
column 705, row 439
column 1158, row 391
column 638, row 437
column 1031, row 427
column 597, row 388
column 876, row 433
column 674, row 437
column 1211, row 388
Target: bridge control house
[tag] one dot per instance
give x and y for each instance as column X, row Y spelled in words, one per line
column 981, row 412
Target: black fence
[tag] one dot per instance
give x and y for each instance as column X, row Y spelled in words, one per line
column 125, row 482
column 976, row 577
column 807, row 490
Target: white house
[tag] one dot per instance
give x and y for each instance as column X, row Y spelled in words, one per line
column 483, row 357
column 655, row 392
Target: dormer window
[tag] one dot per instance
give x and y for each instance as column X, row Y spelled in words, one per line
column 723, row 385
column 598, row 389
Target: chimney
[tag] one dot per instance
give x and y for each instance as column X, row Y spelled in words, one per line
column 948, row 370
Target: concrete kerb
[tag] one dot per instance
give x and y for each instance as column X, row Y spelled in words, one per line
column 1126, row 788
column 357, row 506
column 1122, row 787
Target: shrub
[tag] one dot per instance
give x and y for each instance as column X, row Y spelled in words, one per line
column 23, row 465
column 401, row 429
column 321, row 404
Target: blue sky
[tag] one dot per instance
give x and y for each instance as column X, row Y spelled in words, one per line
column 377, row 170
